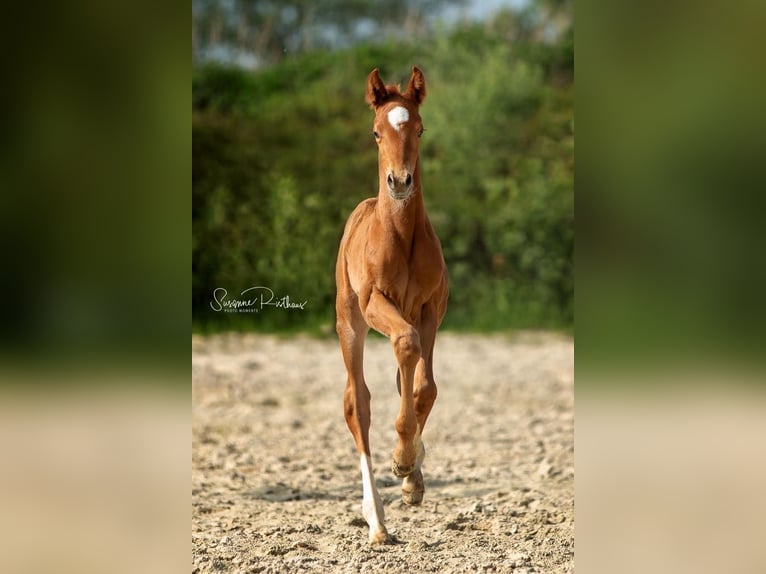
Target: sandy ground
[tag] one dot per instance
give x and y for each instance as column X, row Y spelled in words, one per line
column 276, row 485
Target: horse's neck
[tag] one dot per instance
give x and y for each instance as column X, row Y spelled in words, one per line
column 401, row 219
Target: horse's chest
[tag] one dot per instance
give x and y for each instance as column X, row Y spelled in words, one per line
column 409, row 283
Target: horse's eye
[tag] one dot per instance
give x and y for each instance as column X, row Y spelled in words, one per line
column 420, row 131
column 376, row 134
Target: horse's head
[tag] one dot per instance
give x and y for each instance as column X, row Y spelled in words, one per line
column 397, row 129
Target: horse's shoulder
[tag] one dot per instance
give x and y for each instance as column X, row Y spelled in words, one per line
column 361, row 213
column 365, row 207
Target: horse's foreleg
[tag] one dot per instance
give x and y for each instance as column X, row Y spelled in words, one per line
column 383, row 315
column 356, row 406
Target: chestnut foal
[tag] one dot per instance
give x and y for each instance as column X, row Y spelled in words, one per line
column 391, row 276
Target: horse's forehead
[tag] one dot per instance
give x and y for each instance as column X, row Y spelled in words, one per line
column 398, row 115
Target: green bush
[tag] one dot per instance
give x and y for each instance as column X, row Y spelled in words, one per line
column 282, row 156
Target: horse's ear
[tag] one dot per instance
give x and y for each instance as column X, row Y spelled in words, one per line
column 416, row 88
column 376, row 90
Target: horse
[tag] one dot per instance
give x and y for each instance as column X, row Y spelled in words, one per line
column 391, row 277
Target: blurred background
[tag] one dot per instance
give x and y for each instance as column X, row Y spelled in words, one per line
column 671, row 276
column 95, row 170
column 282, row 151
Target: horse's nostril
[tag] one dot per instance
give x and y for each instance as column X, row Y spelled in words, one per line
column 390, row 181
column 408, row 181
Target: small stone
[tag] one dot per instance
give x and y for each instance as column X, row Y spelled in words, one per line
column 416, row 546
column 554, row 519
column 517, row 559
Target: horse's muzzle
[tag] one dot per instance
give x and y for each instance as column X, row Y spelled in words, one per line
column 399, row 187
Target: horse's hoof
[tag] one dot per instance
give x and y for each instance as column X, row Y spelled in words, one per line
column 414, row 498
column 413, row 489
column 379, row 537
column 401, row 471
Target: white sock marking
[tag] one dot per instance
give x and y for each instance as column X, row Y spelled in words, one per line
column 398, row 116
column 372, row 506
column 421, row 451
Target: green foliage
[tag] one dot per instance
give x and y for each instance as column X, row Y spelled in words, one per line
column 282, row 156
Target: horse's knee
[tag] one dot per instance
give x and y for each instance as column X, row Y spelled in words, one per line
column 407, row 346
column 356, row 407
column 345, row 329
